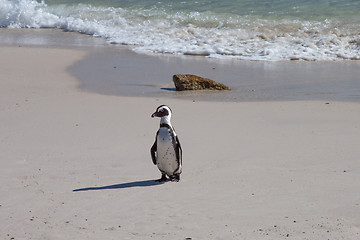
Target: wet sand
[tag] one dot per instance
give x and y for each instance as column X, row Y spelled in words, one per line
column 116, row 70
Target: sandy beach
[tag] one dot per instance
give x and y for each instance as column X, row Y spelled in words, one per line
column 75, row 160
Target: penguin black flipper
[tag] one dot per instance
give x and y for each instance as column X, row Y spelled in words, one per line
column 153, row 151
column 178, row 150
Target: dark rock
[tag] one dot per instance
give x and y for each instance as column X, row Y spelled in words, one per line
column 192, row 82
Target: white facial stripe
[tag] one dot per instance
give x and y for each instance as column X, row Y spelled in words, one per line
column 164, row 108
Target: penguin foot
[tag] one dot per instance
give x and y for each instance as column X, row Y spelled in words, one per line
column 175, row 178
column 162, row 179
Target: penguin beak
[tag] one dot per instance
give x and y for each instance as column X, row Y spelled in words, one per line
column 154, row 114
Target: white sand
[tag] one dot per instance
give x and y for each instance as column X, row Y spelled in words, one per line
column 261, row 170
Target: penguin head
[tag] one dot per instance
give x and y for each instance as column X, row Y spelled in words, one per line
column 162, row 111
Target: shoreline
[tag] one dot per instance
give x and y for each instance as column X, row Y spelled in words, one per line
column 116, row 70
column 127, row 73
column 75, row 164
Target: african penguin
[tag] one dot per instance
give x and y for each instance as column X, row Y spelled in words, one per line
column 166, row 151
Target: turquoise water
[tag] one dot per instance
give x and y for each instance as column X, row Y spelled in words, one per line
column 268, row 30
column 305, row 9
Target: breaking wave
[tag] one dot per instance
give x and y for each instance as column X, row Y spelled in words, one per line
column 208, row 33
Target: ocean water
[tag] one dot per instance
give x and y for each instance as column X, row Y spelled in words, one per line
column 262, row 30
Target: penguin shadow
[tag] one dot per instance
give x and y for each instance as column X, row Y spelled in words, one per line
column 146, row 183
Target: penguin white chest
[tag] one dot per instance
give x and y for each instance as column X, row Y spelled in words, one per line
column 166, row 155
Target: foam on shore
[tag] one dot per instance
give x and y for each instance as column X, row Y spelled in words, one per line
column 213, row 34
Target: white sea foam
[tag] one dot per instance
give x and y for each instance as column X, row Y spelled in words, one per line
column 213, row 35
